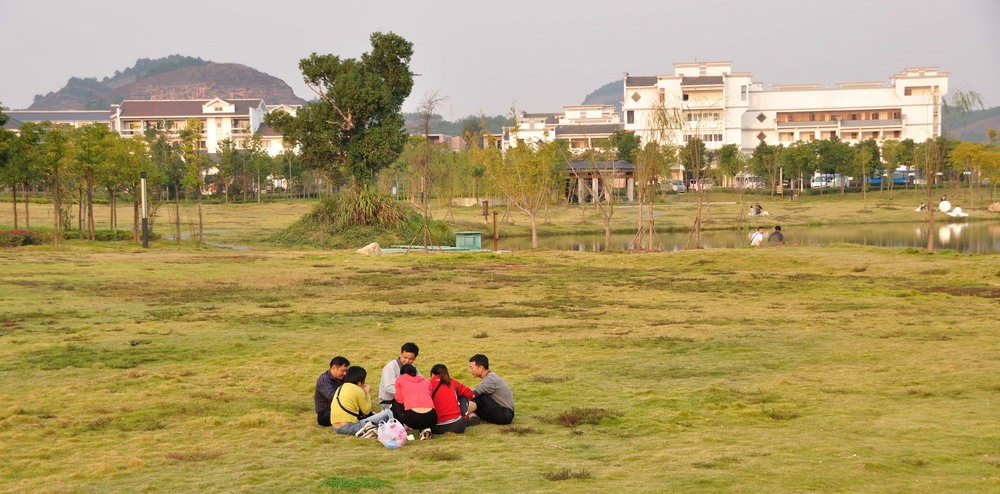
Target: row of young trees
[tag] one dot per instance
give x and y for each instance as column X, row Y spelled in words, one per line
column 75, row 168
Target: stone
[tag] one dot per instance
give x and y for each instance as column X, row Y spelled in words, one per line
column 371, row 249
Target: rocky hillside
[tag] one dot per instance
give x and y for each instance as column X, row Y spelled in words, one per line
column 173, row 77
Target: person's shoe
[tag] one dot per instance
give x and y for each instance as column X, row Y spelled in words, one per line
column 425, row 434
column 367, row 430
column 474, row 419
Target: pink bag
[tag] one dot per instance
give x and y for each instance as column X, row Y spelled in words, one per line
column 392, row 433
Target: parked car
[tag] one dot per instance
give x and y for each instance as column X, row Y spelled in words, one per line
column 678, row 186
column 704, row 184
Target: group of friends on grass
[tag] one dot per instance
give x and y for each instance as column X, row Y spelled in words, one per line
column 432, row 406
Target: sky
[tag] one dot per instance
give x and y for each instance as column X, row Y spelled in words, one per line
column 490, row 57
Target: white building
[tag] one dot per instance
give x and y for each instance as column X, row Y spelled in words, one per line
column 236, row 119
column 583, row 126
column 710, row 101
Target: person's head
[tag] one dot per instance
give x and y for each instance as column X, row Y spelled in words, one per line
column 441, row 372
column 408, row 369
column 338, row 367
column 479, row 365
column 760, row 229
column 356, row 375
column 777, row 228
column 408, row 353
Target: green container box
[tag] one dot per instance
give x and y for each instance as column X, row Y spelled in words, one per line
column 469, row 240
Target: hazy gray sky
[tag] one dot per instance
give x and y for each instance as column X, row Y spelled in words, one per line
column 487, row 56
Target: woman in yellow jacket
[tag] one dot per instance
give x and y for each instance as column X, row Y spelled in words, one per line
column 351, row 410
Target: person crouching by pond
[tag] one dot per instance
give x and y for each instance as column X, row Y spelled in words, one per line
column 326, row 385
column 413, row 405
column 493, row 398
column 351, row 410
column 451, row 402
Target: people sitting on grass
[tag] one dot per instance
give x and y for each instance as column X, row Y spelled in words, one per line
column 387, row 385
column 351, row 410
column 757, row 210
column 757, row 237
column 451, row 402
column 413, row 405
column 921, row 207
column 493, row 398
column 326, row 386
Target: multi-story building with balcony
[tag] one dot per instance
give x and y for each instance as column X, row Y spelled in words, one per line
column 582, row 126
column 235, row 119
column 710, row 101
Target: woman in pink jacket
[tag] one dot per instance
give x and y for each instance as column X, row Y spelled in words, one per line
column 413, row 405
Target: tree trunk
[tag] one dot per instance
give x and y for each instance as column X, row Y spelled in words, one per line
column 201, row 237
column 58, row 208
column 135, row 218
column 177, row 211
column 27, row 217
column 534, row 230
column 90, row 212
column 14, row 189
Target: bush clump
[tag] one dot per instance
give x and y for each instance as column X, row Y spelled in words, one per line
column 357, row 217
column 17, row 238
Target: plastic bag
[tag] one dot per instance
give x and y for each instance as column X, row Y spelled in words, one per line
column 392, row 433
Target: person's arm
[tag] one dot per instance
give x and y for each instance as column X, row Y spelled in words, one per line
column 399, row 386
column 364, row 402
column 463, row 390
column 486, row 387
column 387, row 385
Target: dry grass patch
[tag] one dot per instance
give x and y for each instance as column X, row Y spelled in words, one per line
column 566, row 474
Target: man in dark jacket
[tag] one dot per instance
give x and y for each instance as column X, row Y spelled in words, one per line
column 326, row 386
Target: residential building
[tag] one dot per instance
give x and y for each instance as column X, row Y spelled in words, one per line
column 582, row 126
column 74, row 118
column 710, row 101
column 236, row 119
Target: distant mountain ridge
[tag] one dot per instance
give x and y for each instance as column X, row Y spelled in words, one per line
column 173, row 77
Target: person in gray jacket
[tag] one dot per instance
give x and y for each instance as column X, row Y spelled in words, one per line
column 494, row 399
column 387, row 384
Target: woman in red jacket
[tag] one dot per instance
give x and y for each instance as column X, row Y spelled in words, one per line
column 451, row 401
column 413, row 405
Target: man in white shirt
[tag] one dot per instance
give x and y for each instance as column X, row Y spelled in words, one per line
column 757, row 237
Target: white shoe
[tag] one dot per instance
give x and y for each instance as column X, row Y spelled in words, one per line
column 367, row 431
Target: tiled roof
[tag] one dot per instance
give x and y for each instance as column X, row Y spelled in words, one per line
column 707, row 80
column 61, row 116
column 550, row 118
column 181, row 108
column 643, row 80
column 590, row 130
column 13, row 124
column 265, row 130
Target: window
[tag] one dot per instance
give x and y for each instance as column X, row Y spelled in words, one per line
column 895, row 115
column 874, row 115
column 908, row 92
column 630, row 116
column 662, row 96
column 218, row 108
column 854, row 116
column 685, row 97
column 743, row 92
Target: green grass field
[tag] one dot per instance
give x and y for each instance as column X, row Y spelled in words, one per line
column 185, row 369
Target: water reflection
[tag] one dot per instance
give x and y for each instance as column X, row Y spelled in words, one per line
column 979, row 238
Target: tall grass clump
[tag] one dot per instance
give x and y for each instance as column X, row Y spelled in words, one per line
column 356, row 217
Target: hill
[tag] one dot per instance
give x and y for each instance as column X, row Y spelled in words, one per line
column 972, row 126
column 608, row 94
column 173, row 77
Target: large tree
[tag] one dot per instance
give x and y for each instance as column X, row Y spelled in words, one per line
column 356, row 128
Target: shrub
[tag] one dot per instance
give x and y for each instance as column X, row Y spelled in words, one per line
column 352, row 219
column 17, row 238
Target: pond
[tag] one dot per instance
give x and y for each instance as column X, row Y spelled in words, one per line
column 969, row 238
